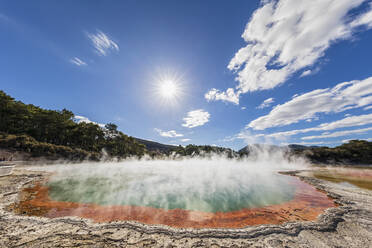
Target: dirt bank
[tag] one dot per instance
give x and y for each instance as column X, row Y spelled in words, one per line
column 349, row 225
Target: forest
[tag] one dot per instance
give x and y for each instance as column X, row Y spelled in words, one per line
column 55, row 134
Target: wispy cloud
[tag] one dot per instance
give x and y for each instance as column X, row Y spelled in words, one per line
column 315, row 143
column 350, row 121
column 79, row 118
column 287, row 36
column 169, row 134
column 305, row 73
column 196, row 118
column 185, row 140
column 310, row 72
column 77, row 61
column 102, row 43
column 266, row 103
column 343, row 96
column 338, row 134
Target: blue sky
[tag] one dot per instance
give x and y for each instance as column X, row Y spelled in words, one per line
column 244, row 71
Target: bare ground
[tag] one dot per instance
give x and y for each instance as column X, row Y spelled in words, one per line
column 349, row 225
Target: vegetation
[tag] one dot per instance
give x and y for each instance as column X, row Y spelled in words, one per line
column 353, row 152
column 156, row 147
column 29, row 145
column 194, row 150
column 44, row 132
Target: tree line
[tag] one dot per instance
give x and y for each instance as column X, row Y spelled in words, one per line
column 58, row 128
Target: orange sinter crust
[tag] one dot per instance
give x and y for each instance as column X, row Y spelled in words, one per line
column 307, row 204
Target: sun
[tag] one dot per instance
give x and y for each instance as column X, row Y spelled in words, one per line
column 168, row 89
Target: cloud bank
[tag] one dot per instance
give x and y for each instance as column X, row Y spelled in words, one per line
column 351, row 121
column 286, row 36
column 338, row 134
column 344, row 96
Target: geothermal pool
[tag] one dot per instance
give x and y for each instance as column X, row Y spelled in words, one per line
column 194, row 193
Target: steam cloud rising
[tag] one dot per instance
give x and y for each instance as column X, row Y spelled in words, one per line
column 214, row 184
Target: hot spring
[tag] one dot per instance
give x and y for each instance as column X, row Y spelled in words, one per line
column 210, row 192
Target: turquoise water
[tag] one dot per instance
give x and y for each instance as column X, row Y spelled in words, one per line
column 213, row 193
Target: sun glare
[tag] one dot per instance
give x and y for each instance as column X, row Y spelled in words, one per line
column 168, row 87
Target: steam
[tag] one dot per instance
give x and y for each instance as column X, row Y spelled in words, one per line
column 210, row 184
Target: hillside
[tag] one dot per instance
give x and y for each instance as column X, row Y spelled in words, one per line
column 358, row 152
column 155, row 146
column 355, row 152
column 54, row 134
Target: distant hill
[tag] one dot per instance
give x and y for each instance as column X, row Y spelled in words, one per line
column 301, row 147
column 155, row 146
column 292, row 147
column 247, row 149
column 355, row 152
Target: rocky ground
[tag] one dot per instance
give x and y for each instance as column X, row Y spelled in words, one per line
column 349, row 225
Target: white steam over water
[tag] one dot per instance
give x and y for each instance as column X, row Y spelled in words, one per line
column 215, row 184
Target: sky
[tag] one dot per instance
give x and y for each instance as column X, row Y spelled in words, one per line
column 226, row 73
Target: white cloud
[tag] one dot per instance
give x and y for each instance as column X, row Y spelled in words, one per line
column 343, row 96
column 338, row 134
column 196, row 118
column 243, row 108
column 368, row 107
column 316, row 143
column 77, row 61
column 79, row 118
column 185, row 140
column 364, row 19
column 228, row 96
column 169, row 134
column 102, row 43
column 266, row 103
column 351, row 121
column 286, row 36
column 310, row 72
column 306, row 73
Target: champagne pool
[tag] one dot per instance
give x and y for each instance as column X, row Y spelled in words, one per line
column 161, row 191
column 192, row 193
